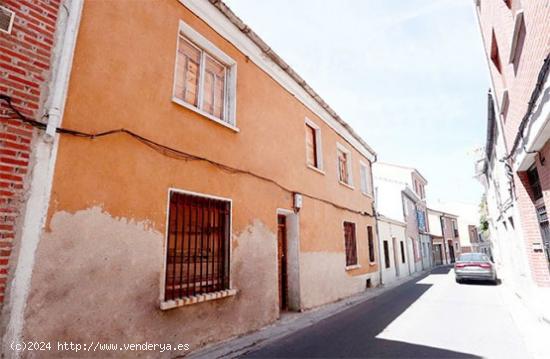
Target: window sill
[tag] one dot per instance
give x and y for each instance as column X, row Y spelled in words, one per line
column 185, row 301
column 347, row 185
column 367, row 194
column 355, row 266
column 205, row 114
column 318, row 170
column 372, row 264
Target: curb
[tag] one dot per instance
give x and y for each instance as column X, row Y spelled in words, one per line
column 240, row 345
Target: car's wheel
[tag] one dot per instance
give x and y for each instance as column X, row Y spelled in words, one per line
column 458, row 280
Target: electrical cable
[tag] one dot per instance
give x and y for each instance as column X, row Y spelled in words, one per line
column 173, row 153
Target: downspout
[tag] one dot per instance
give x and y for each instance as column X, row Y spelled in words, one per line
column 44, row 157
column 377, row 218
column 443, row 238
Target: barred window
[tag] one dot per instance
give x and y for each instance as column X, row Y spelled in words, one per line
column 197, row 257
column 350, row 243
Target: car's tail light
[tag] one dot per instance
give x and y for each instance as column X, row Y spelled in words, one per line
column 460, row 265
column 485, row 265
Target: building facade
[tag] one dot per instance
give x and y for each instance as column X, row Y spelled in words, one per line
column 198, row 180
column 401, row 197
column 445, row 236
column 516, row 39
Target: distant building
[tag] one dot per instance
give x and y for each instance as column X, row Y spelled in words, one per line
column 445, row 236
column 403, row 222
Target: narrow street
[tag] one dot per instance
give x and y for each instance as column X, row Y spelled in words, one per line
column 432, row 317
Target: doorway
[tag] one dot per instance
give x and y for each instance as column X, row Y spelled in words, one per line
column 395, row 255
column 282, row 262
column 451, row 251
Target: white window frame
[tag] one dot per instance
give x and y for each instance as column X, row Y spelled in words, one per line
column 340, row 147
column 12, row 18
column 170, row 304
column 365, row 176
column 318, row 146
column 207, row 47
column 405, row 206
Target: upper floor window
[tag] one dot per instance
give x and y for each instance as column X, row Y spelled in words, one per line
column 314, row 154
column 344, row 165
column 365, row 179
column 205, row 78
column 455, row 228
column 495, row 56
column 518, row 40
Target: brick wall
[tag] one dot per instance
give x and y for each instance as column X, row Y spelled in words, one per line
column 25, row 58
column 520, row 81
column 531, row 230
column 495, row 15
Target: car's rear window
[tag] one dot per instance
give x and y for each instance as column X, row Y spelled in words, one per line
column 473, row 257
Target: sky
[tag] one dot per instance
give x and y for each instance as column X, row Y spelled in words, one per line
column 408, row 75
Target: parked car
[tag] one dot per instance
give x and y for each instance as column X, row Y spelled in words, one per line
column 475, row 266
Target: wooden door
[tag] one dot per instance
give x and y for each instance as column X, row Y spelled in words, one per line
column 282, row 262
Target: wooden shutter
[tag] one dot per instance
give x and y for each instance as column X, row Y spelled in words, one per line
column 343, row 166
column 311, row 146
column 350, row 243
column 188, row 72
column 371, row 244
column 214, row 88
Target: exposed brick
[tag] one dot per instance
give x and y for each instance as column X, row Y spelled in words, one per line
column 25, row 58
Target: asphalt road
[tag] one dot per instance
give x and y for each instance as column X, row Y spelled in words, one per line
column 431, row 317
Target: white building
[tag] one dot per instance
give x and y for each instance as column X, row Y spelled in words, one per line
column 405, row 243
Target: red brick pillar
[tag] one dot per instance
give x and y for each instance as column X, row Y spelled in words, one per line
column 25, row 60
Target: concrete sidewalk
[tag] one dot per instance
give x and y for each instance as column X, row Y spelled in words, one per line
column 290, row 323
column 535, row 331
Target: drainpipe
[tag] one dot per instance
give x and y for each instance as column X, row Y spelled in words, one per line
column 44, row 156
column 377, row 217
column 443, row 238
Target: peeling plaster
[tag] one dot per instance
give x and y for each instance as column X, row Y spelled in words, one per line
column 324, row 278
column 97, row 278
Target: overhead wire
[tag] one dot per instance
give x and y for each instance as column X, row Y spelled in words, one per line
column 173, row 153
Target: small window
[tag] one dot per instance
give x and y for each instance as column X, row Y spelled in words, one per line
column 534, row 183
column 508, row 3
column 350, row 244
column 365, row 179
column 518, row 40
column 197, row 255
column 386, row 254
column 205, row 78
column 370, row 239
column 344, row 165
column 314, row 155
column 495, row 56
column 6, row 19
column 402, row 251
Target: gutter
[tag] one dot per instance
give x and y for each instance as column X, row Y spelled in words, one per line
column 44, row 154
column 235, row 20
